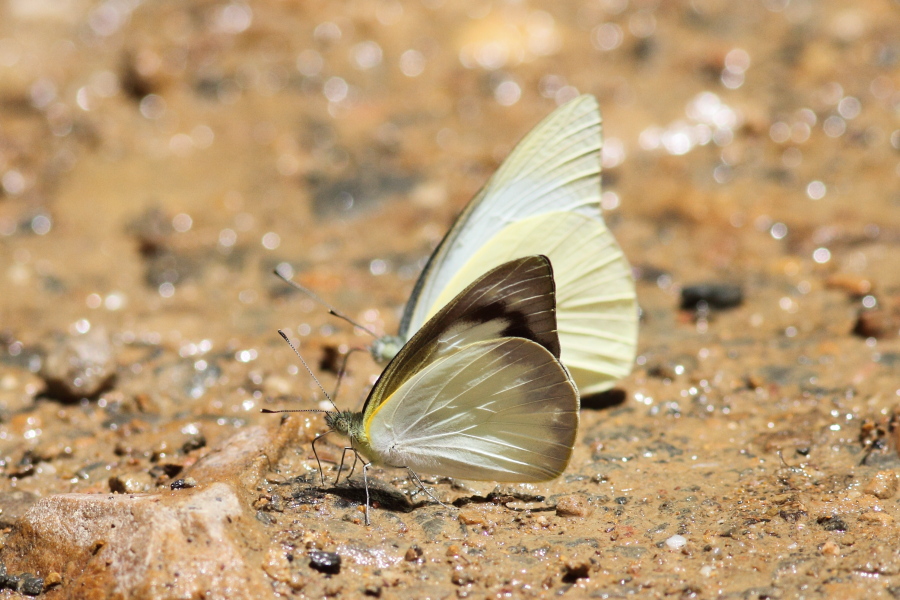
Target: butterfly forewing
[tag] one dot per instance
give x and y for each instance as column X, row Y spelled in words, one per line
column 556, row 167
column 515, row 299
column 500, row 410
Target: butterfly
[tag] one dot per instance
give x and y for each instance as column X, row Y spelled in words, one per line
column 478, row 391
column 543, row 200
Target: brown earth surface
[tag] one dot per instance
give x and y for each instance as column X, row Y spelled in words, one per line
column 157, row 160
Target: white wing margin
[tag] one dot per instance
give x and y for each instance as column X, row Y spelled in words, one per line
column 556, row 167
column 502, row 410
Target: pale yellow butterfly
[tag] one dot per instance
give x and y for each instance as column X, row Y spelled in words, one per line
column 478, row 392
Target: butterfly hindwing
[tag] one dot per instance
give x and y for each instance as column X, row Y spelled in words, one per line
column 501, row 410
column 596, row 313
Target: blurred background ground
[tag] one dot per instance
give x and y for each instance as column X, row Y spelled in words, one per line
column 157, row 160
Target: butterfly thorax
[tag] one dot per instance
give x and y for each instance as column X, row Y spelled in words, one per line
column 350, row 425
column 386, row 347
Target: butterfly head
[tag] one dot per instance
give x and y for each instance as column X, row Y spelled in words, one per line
column 386, row 347
column 343, row 422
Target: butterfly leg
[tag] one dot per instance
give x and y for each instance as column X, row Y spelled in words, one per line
column 366, row 485
column 316, row 454
column 341, row 466
column 342, row 372
column 425, row 489
column 353, row 466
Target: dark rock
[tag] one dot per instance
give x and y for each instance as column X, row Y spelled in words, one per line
column 265, row 518
column 195, row 442
column 880, row 322
column 574, row 571
column 332, row 360
column 166, row 470
column 183, row 483
column 325, row 562
column 711, row 295
column 31, row 585
column 10, row 582
column 832, row 524
column 604, row 400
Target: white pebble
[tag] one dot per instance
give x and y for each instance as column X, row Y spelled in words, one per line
column 676, row 542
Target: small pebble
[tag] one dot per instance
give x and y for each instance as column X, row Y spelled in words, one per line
column 195, row 442
column 855, row 285
column 131, row 483
column 325, row 562
column 830, row 548
column 883, row 485
column 573, row 506
column 876, row 518
column 462, row 576
column 52, row 579
column 184, row 483
column 832, row 524
column 711, row 295
column 413, row 554
column 676, row 542
column 878, row 322
column 573, row 570
column 754, row 382
column 79, row 366
column 474, row 517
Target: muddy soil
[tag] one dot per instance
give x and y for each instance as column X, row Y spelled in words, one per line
column 158, row 160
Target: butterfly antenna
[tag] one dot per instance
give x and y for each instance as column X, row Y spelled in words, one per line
column 308, row 370
column 342, row 372
column 331, row 310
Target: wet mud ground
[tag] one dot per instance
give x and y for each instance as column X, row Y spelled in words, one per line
column 157, row 160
